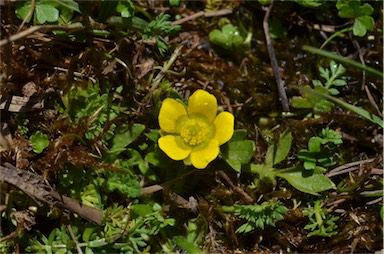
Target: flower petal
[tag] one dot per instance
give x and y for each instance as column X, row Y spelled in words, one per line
column 204, row 103
column 171, row 148
column 224, row 124
column 200, row 159
column 170, row 111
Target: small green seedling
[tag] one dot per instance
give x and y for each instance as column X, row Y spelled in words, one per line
column 321, row 222
column 334, row 78
column 321, row 150
column 229, row 37
column 258, row 216
column 39, row 142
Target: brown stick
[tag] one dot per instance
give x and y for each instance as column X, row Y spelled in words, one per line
column 202, row 13
column 34, row 186
column 272, row 56
column 33, row 29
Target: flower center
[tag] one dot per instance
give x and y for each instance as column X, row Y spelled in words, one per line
column 194, row 132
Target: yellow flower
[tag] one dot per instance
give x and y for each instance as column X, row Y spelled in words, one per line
column 194, row 133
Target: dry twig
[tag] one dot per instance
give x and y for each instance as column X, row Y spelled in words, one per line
column 34, row 186
column 272, row 56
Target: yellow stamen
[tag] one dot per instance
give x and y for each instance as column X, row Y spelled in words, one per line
column 194, row 132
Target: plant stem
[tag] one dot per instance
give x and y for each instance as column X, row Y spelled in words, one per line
column 343, row 60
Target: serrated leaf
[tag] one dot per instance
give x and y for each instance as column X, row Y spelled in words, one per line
column 311, row 182
column 276, row 153
column 124, row 183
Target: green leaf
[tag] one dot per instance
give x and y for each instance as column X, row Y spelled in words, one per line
column 310, row 3
column 46, row 13
column 235, row 164
column 300, row 102
column 68, row 4
column 365, row 9
column 125, row 183
column 266, row 173
column 39, row 142
column 174, row 2
column 126, row 8
column 142, row 210
column 276, row 153
column 311, row 182
column 228, row 37
column 240, row 151
column 189, row 247
column 239, row 135
column 23, row 11
column 362, row 24
column 125, row 135
column 314, row 144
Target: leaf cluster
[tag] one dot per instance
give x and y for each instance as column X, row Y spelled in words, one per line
column 334, row 78
column 311, row 182
column 361, row 15
column 321, row 150
column 158, row 28
column 321, row 222
column 127, row 229
column 259, row 216
column 47, row 11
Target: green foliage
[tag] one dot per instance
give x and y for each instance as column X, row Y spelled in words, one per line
column 127, row 230
column 39, row 141
column 229, row 37
column 125, row 135
column 48, row 11
column 158, row 28
column 174, row 2
column 321, row 150
column 310, row 182
column 237, row 151
column 333, row 78
column 22, row 124
column 127, row 184
column 360, row 111
column 126, row 8
column 361, row 15
column 321, row 222
column 91, row 107
column 186, row 245
column 259, row 216
column 310, row 3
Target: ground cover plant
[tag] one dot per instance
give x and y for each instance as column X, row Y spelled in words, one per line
column 191, row 126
